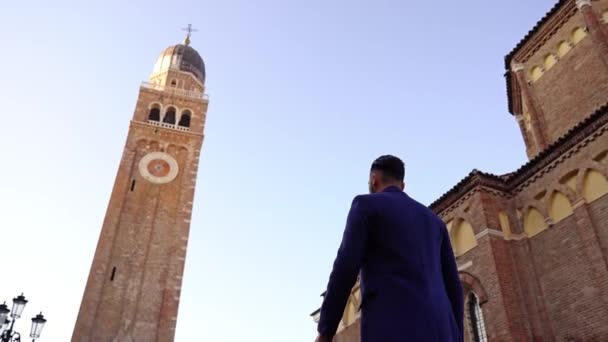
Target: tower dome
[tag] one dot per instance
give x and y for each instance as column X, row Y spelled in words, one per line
column 183, row 58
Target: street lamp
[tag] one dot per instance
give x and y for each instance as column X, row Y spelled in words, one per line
column 4, row 311
column 37, row 325
column 7, row 333
column 18, row 306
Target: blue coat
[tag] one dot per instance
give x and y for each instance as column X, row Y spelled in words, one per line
column 409, row 280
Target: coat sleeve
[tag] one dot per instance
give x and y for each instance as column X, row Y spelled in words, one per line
column 345, row 269
column 452, row 280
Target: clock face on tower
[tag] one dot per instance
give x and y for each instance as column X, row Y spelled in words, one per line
column 158, row 167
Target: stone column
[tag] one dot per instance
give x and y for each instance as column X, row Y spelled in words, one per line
column 596, row 30
column 537, row 118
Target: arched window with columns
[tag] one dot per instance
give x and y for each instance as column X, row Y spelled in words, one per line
column 476, row 322
column 154, row 114
column 184, row 120
column 169, row 116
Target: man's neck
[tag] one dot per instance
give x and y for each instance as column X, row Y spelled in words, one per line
column 387, row 186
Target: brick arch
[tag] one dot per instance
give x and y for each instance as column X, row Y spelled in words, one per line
column 459, row 216
column 185, row 109
column 155, row 103
column 597, row 166
column 570, row 194
column 541, row 206
column 530, row 224
column 571, row 174
column 153, row 146
column 559, row 209
column 589, row 165
column 578, row 34
column 454, row 222
column 462, row 236
column 181, row 153
column 563, row 47
column 592, row 191
column 472, row 283
column 171, row 149
column 549, row 60
column 141, row 143
column 536, row 73
column 600, row 156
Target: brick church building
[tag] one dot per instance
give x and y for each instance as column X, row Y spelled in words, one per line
column 532, row 245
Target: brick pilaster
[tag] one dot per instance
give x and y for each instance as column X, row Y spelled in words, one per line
column 597, row 32
column 592, row 248
column 524, row 133
column 536, row 113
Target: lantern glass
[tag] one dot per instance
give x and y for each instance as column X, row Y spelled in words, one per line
column 18, row 306
column 37, row 325
column 4, row 311
column 4, row 326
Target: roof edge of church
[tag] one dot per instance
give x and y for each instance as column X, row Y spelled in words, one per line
column 474, row 179
column 533, row 31
column 510, row 181
column 509, row 57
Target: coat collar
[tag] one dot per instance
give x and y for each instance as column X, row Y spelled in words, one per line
column 392, row 189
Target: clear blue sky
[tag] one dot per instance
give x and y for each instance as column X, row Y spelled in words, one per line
column 304, row 95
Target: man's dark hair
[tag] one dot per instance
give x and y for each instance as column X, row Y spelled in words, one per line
column 391, row 167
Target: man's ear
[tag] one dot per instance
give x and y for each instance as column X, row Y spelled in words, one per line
column 373, row 181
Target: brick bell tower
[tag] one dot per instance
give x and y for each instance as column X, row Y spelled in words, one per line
column 133, row 289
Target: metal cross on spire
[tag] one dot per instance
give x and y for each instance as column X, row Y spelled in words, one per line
column 188, row 29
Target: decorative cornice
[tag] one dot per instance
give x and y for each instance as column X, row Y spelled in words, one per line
column 516, row 67
column 475, row 179
column 581, row 202
column 587, row 130
column 544, row 29
column 465, row 266
column 491, row 232
column 582, row 3
column 578, row 134
column 168, row 131
column 517, row 237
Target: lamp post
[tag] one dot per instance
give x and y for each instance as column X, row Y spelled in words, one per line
column 7, row 332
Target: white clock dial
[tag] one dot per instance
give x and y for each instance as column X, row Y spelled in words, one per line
column 158, row 167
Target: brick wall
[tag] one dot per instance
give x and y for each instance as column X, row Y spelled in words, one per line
column 598, row 210
column 570, row 293
column 572, row 89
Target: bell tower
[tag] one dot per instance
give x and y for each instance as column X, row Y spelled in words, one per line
column 133, row 289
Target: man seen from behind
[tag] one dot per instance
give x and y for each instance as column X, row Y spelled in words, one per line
column 410, row 288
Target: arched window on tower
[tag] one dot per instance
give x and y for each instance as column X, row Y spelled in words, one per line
column 563, row 48
column 184, row 120
column 549, row 61
column 154, row 114
column 478, row 326
column 578, row 34
column 536, row 73
column 169, row 116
